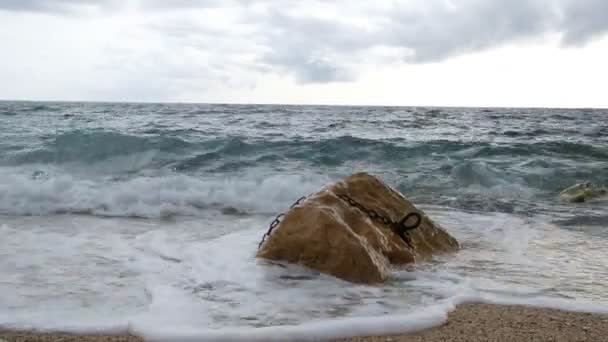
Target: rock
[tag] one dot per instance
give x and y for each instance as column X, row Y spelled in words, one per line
column 327, row 234
column 583, row 192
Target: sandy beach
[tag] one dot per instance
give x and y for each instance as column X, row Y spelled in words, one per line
column 23, row 336
column 471, row 322
column 481, row 322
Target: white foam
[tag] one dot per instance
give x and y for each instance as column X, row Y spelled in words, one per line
column 199, row 280
column 152, row 197
column 421, row 319
column 318, row 330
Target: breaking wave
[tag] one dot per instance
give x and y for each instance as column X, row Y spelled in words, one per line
column 86, row 147
column 191, row 148
column 151, row 197
column 165, row 174
column 429, row 154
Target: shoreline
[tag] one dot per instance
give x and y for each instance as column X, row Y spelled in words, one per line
column 468, row 322
column 491, row 322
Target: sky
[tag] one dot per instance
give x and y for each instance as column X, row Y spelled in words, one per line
column 496, row 53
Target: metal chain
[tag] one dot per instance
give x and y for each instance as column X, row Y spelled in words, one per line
column 400, row 228
column 277, row 221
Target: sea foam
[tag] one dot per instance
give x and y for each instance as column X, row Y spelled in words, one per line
column 212, row 288
column 424, row 318
column 149, row 197
column 318, row 330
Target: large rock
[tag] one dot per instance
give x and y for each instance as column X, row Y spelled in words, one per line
column 327, row 234
column 583, row 192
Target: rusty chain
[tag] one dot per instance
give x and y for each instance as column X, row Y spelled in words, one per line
column 277, row 221
column 400, row 228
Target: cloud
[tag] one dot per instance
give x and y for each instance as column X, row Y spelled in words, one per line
column 179, row 4
column 59, row 6
column 320, row 48
column 425, row 31
column 584, row 20
column 314, row 49
column 439, row 29
column 327, row 41
column 321, row 42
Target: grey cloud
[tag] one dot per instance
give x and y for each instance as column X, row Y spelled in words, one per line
column 584, row 20
column 320, row 50
column 179, row 4
column 325, row 50
column 284, row 36
column 58, row 6
column 311, row 48
column 312, row 71
column 430, row 32
column 440, row 31
column 322, row 72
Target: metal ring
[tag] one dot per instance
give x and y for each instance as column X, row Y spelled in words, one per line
column 403, row 222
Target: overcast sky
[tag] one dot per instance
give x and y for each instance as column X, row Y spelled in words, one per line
column 398, row 52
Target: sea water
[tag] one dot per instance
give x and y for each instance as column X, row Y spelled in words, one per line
column 146, row 217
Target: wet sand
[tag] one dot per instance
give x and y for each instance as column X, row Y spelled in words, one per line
column 470, row 322
column 481, row 322
column 52, row 337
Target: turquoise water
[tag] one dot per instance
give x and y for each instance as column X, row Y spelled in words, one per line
column 117, row 213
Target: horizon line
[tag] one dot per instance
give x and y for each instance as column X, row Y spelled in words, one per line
column 297, row 104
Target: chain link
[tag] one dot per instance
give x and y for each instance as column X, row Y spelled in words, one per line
column 277, row 221
column 400, row 228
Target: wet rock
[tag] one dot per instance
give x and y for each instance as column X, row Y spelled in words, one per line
column 327, row 234
column 583, row 192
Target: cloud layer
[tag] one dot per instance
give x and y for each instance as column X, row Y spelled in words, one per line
column 60, row 6
column 210, row 42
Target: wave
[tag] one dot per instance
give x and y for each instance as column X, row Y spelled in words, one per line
column 190, row 150
column 151, row 197
column 503, row 177
column 584, row 220
column 93, row 146
column 15, row 108
column 7, row 112
column 467, row 175
column 340, row 150
column 478, row 173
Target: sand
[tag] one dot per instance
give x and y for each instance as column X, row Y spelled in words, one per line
column 480, row 322
column 31, row 336
column 471, row 322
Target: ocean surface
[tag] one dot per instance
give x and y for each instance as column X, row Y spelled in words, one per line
column 147, row 217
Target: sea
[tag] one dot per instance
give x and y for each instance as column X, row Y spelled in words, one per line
column 146, row 218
